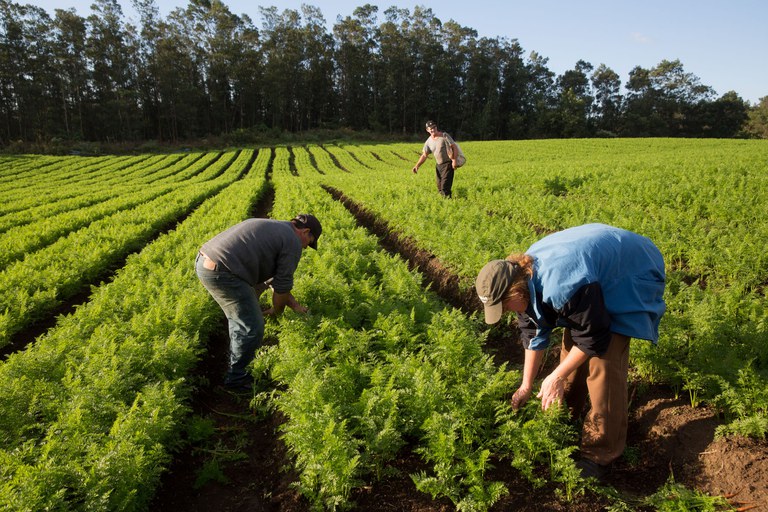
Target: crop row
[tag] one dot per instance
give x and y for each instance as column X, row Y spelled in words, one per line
column 36, row 285
column 40, row 202
column 75, row 172
column 700, row 201
column 381, row 368
column 39, row 226
column 92, row 408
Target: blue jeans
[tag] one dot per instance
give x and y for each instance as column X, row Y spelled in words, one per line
column 240, row 304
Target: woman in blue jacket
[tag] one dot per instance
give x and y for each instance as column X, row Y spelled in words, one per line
column 603, row 285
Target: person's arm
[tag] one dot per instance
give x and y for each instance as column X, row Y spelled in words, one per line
column 281, row 300
column 422, row 159
column 534, row 335
column 589, row 320
column 533, row 359
column 282, row 282
column 590, row 325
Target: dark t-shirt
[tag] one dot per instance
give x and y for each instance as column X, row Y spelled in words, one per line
column 257, row 250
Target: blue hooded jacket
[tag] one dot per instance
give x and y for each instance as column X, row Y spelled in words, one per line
column 595, row 280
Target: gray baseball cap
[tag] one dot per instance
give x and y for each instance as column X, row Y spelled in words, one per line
column 492, row 284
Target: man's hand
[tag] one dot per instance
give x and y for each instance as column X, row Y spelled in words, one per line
column 282, row 300
column 415, row 169
column 294, row 305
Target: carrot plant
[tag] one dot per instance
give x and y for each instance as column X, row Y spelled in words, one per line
column 700, row 201
column 380, row 367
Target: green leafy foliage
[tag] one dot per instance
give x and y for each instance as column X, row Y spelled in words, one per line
column 673, row 497
column 93, row 408
column 380, row 367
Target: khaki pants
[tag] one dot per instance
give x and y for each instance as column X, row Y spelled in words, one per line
column 604, row 379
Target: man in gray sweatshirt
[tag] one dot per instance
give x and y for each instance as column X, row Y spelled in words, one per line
column 238, row 265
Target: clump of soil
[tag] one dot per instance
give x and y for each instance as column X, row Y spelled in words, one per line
column 672, row 439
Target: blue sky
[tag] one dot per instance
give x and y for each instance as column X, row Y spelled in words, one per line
column 723, row 42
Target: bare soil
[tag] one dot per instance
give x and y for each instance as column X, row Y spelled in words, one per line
column 667, row 439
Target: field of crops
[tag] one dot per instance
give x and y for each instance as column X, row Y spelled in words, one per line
column 103, row 321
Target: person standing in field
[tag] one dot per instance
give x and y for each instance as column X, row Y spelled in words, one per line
column 603, row 285
column 445, row 150
column 238, row 265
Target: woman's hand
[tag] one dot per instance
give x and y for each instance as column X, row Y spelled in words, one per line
column 520, row 397
column 552, row 390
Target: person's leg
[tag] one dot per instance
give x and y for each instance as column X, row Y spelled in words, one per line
column 240, row 304
column 604, row 434
column 444, row 177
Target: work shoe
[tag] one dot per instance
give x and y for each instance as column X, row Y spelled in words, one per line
column 239, row 388
column 591, row 469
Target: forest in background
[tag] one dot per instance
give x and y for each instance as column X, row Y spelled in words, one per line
column 203, row 71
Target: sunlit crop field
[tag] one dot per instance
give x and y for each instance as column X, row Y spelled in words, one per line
column 94, row 401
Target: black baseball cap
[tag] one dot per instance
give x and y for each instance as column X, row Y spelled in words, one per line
column 307, row 220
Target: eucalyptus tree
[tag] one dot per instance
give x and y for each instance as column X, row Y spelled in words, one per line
column 430, row 59
column 110, row 48
column 396, row 81
column 514, row 97
column 317, row 98
column 298, row 68
column 283, row 56
column 724, row 117
column 178, row 71
column 26, row 76
column 72, row 73
column 458, row 42
column 661, row 100
column 640, row 116
column 757, row 123
column 147, row 70
column 606, row 85
column 541, row 96
column 574, row 101
column 248, row 78
column 220, row 41
column 682, row 96
column 483, row 95
column 356, row 49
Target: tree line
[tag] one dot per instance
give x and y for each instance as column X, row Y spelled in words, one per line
column 203, row 71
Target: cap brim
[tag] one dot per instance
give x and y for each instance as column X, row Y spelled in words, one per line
column 313, row 244
column 493, row 313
